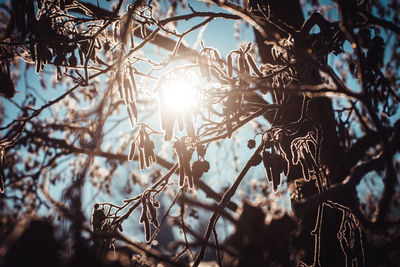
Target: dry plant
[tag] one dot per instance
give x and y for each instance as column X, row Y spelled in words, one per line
column 322, row 92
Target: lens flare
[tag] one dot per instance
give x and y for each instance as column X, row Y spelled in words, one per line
column 180, row 95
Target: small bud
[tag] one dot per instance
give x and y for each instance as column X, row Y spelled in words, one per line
column 251, row 144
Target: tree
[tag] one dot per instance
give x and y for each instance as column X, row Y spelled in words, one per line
column 315, row 101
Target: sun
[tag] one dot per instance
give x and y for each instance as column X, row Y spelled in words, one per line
column 180, row 94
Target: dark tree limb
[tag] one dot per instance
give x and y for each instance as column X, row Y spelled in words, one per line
column 349, row 185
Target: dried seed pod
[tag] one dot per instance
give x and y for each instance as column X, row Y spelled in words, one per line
column 134, row 109
column 152, row 154
column 153, row 214
column 93, row 53
column 2, row 157
column 311, row 160
column 304, row 154
column 178, row 149
column 143, row 215
column 285, row 166
column 81, row 56
column 98, row 218
column 245, row 64
column 279, row 162
column 308, row 161
column 115, row 31
column 132, row 76
column 219, row 75
column 72, row 61
column 254, row 66
column 306, row 175
column 181, row 174
column 276, row 172
column 267, row 144
column 125, row 27
column 266, row 157
column 248, row 47
column 38, row 65
column 106, row 45
column 305, row 168
column 239, row 63
column 59, row 59
column 141, row 158
column 228, row 124
column 121, row 96
column 131, row 120
column 167, row 119
column 204, row 67
column 169, row 128
column 32, row 49
column 197, row 170
column 143, row 30
column 189, row 127
column 218, row 58
column 128, row 89
column 141, row 138
column 19, row 8
column 7, row 89
column 132, row 151
column 126, row 96
column 295, row 154
column 132, row 38
column 201, row 150
column 230, row 65
column 188, row 170
column 147, row 229
column 147, row 154
column 190, row 181
column 205, row 165
column 49, row 55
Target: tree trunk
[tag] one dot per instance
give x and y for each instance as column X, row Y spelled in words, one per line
column 320, row 110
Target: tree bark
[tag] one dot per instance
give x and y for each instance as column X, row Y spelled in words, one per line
column 320, row 110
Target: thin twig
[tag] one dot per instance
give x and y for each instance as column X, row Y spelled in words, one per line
column 224, row 201
column 217, row 246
